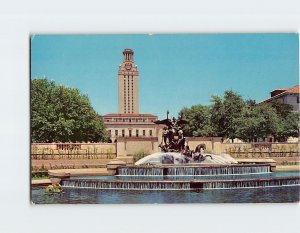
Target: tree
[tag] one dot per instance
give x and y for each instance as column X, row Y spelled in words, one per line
column 257, row 122
column 287, row 127
column 225, row 112
column 218, row 116
column 232, row 117
column 263, row 120
column 199, row 124
column 281, row 109
column 62, row 114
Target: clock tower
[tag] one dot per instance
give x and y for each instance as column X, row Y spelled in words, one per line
column 128, row 76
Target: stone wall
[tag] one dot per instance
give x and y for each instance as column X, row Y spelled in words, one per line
column 127, row 146
column 46, row 156
column 213, row 144
column 282, row 153
column 83, row 155
column 73, row 150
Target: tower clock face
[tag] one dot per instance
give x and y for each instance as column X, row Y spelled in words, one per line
column 128, row 66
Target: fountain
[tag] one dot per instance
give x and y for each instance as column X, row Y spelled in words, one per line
column 177, row 167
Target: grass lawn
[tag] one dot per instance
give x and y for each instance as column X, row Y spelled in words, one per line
column 40, row 178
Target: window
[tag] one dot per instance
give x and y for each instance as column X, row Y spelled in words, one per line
column 137, row 132
column 116, row 132
column 123, row 132
column 297, row 99
column 130, row 133
column 109, row 131
column 144, row 133
column 150, row 133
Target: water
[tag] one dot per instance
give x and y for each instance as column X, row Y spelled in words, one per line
column 245, row 195
column 96, row 196
column 178, row 184
column 193, row 170
column 219, row 177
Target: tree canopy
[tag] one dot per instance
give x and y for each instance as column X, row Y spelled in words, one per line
column 62, row 114
column 198, row 117
column 232, row 117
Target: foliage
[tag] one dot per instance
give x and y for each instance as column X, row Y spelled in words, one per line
column 218, row 116
column 198, row 117
column 232, row 117
column 139, row 155
column 62, row 114
column 55, row 188
column 225, row 111
column 281, row 109
column 287, row 127
column 39, row 175
column 256, row 122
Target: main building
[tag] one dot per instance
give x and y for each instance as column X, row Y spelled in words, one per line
column 128, row 122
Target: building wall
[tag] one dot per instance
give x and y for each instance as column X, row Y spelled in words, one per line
column 129, row 146
column 291, row 99
column 112, row 128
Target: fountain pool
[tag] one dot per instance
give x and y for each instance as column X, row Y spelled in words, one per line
column 92, row 195
column 282, row 194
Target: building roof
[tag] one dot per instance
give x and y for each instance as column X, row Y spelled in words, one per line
column 286, row 91
column 128, row 115
column 280, row 89
column 293, row 90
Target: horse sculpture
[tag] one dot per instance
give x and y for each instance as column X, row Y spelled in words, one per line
column 173, row 139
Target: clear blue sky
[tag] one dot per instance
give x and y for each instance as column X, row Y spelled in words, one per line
column 176, row 71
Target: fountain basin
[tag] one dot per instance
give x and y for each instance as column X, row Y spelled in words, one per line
column 180, row 184
column 193, row 170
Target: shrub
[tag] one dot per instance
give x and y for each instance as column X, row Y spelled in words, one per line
column 138, row 155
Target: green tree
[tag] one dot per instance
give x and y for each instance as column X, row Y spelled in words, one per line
column 199, row 124
column 281, row 109
column 256, row 122
column 225, row 113
column 287, row 127
column 218, row 116
column 232, row 117
column 62, row 114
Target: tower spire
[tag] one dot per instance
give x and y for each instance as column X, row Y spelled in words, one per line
column 128, row 55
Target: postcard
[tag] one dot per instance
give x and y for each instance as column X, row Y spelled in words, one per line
column 164, row 118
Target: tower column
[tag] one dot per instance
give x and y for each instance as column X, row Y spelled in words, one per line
column 128, row 84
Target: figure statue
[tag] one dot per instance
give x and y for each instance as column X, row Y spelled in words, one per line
column 165, row 135
column 173, row 139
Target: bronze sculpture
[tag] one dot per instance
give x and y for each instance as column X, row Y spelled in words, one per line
column 173, row 139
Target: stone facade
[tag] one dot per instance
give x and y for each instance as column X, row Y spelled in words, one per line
column 130, row 125
column 128, row 83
